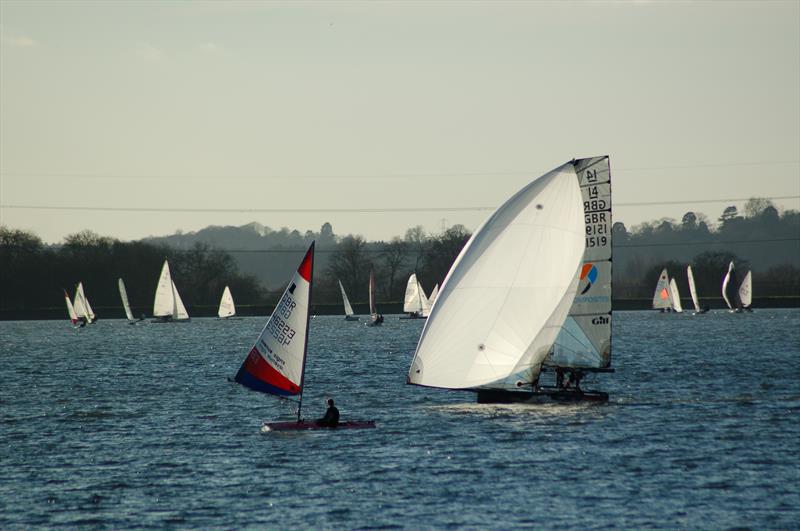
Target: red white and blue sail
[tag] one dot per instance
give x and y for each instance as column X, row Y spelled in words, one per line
column 276, row 363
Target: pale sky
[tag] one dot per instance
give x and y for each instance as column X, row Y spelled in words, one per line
column 241, row 106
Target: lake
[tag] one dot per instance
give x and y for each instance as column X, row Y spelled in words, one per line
column 116, row 426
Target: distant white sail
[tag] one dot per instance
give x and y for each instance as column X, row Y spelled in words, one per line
column 81, row 304
column 73, row 317
column 180, row 310
column 373, row 308
column 693, row 289
column 168, row 303
column 662, row 298
column 226, row 306
column 434, row 293
column 124, row 296
column 348, row 310
column 484, row 327
column 746, row 290
column 413, row 300
column 728, row 287
column 676, row 296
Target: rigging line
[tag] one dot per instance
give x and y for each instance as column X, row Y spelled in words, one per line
column 352, row 210
column 376, row 175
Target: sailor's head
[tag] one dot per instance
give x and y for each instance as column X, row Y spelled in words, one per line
column 330, row 402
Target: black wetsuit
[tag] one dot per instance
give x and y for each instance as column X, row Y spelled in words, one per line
column 331, row 417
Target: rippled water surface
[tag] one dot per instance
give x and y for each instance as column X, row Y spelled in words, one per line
column 137, row 426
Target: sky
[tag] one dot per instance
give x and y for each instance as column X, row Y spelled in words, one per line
column 146, row 118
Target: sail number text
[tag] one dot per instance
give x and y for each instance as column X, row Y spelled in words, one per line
column 277, row 326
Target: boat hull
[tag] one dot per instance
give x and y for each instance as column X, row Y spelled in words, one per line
column 351, row 318
column 544, row 395
column 310, row 425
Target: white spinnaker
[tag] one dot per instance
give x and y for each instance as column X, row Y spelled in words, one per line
column 662, row 296
column 746, row 290
column 164, row 303
column 180, row 313
column 676, row 296
column 585, row 337
column 509, row 291
column 725, row 283
column 692, row 288
column 412, row 302
column 123, row 293
column 226, row 306
column 70, row 309
column 348, row 310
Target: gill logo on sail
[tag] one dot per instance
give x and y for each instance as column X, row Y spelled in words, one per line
column 589, row 274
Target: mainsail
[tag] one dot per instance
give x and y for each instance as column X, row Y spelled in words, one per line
column 415, row 300
column 373, row 309
column 676, row 296
column 348, row 310
column 73, row 317
column 82, row 306
column 276, row 363
column 693, row 289
column 226, row 306
column 168, row 303
column 483, row 328
column 746, row 290
column 729, row 287
column 124, row 296
column 662, row 298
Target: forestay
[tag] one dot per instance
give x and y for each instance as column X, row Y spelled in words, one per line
column 123, row 293
column 693, row 289
column 509, row 291
column 226, row 306
column 662, row 298
column 276, row 362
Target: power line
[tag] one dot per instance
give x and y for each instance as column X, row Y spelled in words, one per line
column 364, row 210
column 421, row 175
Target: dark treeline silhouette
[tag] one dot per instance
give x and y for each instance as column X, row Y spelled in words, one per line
column 255, row 261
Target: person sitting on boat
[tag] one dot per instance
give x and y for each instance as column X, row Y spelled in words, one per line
column 331, row 418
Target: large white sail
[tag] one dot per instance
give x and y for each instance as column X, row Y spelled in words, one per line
column 412, row 302
column 484, row 326
column 226, row 306
column 746, row 290
column 585, row 338
column 124, row 296
column 81, row 304
column 180, row 313
column 662, row 298
column 348, row 310
column 164, row 303
column 728, row 287
column 693, row 289
column 676, row 296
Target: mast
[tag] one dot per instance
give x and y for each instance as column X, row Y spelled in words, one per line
column 308, row 317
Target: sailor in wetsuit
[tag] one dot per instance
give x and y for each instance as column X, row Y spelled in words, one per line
column 331, row 418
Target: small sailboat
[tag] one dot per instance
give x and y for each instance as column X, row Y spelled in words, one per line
column 693, row 291
column 434, row 293
column 746, row 292
column 168, row 306
column 675, row 296
column 82, row 307
column 662, row 298
column 485, row 334
column 123, row 293
column 348, row 310
column 276, row 364
column 729, row 289
column 73, row 317
column 226, row 307
column 375, row 319
column 415, row 303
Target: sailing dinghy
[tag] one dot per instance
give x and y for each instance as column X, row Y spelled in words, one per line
column 529, row 292
column 227, row 310
column 276, row 364
column 123, row 294
column 676, row 296
column 73, row 316
column 729, row 292
column 662, row 298
column 415, row 303
column 82, row 307
column 348, row 310
column 375, row 319
column 746, row 292
column 168, row 306
column 693, row 291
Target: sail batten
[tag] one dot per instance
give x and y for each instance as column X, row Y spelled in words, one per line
column 483, row 327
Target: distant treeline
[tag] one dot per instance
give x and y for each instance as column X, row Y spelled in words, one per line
column 255, row 261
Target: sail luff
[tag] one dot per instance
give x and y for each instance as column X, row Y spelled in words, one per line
column 692, row 289
column 123, row 293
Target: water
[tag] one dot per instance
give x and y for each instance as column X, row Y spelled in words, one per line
column 120, row 426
